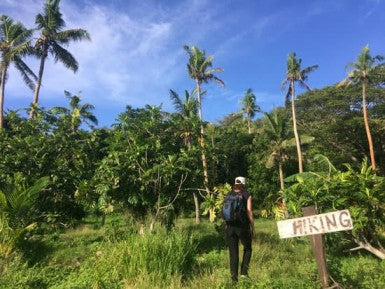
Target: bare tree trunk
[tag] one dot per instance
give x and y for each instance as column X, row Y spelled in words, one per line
column 197, row 214
column 367, row 129
column 196, row 200
column 248, row 123
column 2, row 89
column 280, row 168
column 202, row 142
column 297, row 141
column 282, row 183
column 38, row 82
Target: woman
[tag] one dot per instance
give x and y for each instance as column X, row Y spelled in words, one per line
column 240, row 230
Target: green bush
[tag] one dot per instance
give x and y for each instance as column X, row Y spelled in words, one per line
column 364, row 272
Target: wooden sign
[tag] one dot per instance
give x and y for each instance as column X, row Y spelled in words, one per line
column 315, row 224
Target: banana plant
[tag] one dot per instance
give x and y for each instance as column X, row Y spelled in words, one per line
column 212, row 204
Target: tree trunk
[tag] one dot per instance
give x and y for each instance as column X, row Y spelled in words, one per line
column 248, row 123
column 196, row 200
column 282, row 183
column 367, row 129
column 197, row 214
column 2, row 89
column 103, row 221
column 280, row 168
column 297, row 141
column 38, row 82
column 202, row 142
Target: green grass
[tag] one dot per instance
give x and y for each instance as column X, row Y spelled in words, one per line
column 188, row 256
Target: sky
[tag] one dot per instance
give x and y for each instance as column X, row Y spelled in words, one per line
column 136, row 54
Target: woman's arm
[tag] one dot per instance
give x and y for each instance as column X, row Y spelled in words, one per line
column 250, row 211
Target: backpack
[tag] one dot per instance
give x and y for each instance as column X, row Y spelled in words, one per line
column 234, row 208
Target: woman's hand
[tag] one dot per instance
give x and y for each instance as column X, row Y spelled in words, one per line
column 252, row 231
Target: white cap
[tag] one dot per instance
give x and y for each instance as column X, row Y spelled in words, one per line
column 240, row 180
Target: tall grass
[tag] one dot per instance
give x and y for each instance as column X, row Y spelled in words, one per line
column 160, row 256
column 189, row 256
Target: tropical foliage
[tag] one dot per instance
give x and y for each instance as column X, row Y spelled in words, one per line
column 153, row 169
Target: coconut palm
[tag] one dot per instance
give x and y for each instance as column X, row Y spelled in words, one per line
column 278, row 131
column 279, row 134
column 249, row 107
column 200, row 69
column 14, row 44
column 78, row 113
column 187, row 110
column 363, row 72
column 294, row 74
column 52, row 37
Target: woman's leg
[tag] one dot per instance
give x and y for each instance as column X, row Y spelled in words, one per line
column 245, row 237
column 232, row 241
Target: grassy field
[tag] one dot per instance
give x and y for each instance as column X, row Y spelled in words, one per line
column 187, row 256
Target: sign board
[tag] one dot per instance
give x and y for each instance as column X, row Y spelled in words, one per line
column 315, row 224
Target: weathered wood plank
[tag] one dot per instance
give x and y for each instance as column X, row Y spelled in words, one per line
column 316, row 224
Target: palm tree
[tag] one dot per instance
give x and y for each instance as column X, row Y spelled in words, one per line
column 14, row 44
column 187, row 113
column 187, row 110
column 78, row 113
column 294, row 74
column 279, row 133
column 52, row 37
column 249, row 107
column 200, row 69
column 363, row 72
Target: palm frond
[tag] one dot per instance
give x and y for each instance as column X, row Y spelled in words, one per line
column 323, row 160
column 64, row 56
column 219, row 81
column 287, row 95
column 59, row 110
column 176, row 100
column 66, row 36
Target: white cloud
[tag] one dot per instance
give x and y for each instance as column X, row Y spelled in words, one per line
column 136, row 54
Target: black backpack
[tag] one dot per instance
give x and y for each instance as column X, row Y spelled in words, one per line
column 234, row 208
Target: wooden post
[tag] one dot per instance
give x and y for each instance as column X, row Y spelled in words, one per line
column 318, row 250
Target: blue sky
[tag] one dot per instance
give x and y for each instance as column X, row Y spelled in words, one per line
column 136, row 54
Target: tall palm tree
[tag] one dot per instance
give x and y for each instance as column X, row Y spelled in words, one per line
column 363, row 72
column 249, row 107
column 294, row 74
column 200, row 69
column 14, row 44
column 52, row 37
column 77, row 113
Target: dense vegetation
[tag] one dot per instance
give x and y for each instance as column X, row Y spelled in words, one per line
column 123, row 197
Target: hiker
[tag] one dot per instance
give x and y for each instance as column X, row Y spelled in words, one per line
column 237, row 212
